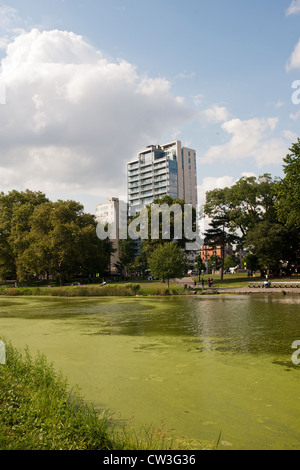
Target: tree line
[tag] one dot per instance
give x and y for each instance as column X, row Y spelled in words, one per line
column 260, row 215
column 41, row 238
column 257, row 215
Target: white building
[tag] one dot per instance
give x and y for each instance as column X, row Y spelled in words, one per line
column 114, row 213
column 160, row 170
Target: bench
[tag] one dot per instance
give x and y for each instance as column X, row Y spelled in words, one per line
column 282, row 284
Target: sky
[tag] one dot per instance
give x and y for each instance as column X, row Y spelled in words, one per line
column 86, row 85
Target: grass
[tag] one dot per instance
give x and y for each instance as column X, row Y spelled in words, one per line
column 39, row 412
column 132, row 289
column 111, row 289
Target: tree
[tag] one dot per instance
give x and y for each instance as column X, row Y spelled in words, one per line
column 167, row 262
column 249, row 201
column 126, row 254
column 15, row 211
column 176, row 218
column 268, row 242
column 288, row 189
column 63, row 242
column 230, row 261
column 214, row 263
column 217, row 236
column 251, row 262
column 199, row 265
column 243, row 207
column 39, row 237
column 141, row 263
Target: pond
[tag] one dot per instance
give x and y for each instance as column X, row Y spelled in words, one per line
column 196, row 366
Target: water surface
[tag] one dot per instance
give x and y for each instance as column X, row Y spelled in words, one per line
column 196, row 366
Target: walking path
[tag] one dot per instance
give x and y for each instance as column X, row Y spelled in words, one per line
column 188, row 281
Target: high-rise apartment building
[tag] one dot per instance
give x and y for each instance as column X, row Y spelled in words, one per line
column 114, row 213
column 161, row 170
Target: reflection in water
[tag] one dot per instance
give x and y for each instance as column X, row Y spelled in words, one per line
column 199, row 364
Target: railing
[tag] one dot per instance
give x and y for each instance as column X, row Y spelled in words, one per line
column 283, row 284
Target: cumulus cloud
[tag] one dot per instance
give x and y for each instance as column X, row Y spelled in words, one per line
column 294, row 60
column 210, row 182
column 9, row 19
column 73, row 118
column 249, row 139
column 214, row 115
column 294, row 8
column 295, row 116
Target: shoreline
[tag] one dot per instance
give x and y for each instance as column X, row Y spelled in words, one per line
column 251, row 290
column 192, row 292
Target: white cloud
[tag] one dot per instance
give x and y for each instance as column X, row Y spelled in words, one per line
column 295, row 116
column 251, row 139
column 210, row 182
column 8, row 17
column 214, row 115
column 294, row 8
column 290, row 136
column 73, row 118
column 294, row 60
column 9, row 25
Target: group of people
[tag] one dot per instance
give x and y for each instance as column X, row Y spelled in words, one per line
column 209, row 281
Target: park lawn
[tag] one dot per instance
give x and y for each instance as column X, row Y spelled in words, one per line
column 152, row 287
column 230, row 280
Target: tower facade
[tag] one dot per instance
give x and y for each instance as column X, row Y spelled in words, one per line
column 161, row 170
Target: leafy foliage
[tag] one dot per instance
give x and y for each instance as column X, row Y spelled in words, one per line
column 252, row 213
column 40, row 237
column 288, row 189
column 167, row 262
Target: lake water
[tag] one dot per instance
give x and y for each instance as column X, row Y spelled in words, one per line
column 196, row 366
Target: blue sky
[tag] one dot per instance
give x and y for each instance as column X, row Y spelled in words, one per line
column 90, row 83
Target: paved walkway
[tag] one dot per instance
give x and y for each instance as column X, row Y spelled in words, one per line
column 188, row 281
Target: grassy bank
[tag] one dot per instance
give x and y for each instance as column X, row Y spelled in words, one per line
column 121, row 290
column 38, row 412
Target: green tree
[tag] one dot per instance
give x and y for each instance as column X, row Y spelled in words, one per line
column 15, row 211
column 126, row 254
column 199, row 265
column 167, row 262
column 218, row 236
column 141, row 263
column 249, row 201
column 164, row 236
column 214, row 263
column 251, row 261
column 42, row 237
column 230, row 261
column 288, row 189
column 268, row 242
